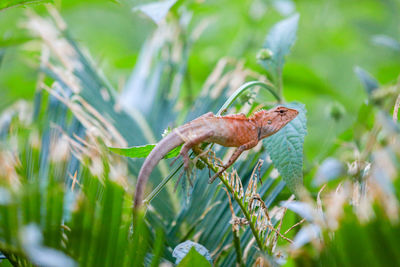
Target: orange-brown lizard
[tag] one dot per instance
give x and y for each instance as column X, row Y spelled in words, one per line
column 229, row 131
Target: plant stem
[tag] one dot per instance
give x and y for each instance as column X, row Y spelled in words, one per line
column 227, row 104
column 161, row 185
column 236, row 242
column 244, row 210
column 198, row 151
column 280, row 86
column 243, row 88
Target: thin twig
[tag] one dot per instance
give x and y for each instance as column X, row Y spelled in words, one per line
column 236, row 241
column 253, row 229
column 293, row 226
column 265, row 209
column 230, row 203
column 257, row 197
column 235, row 232
column 279, row 233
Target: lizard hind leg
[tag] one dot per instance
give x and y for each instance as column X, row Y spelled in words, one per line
column 184, row 153
column 191, row 143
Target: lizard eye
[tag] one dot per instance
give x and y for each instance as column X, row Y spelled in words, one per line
column 269, row 121
column 281, row 111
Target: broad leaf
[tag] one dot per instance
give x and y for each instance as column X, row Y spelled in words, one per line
column 208, row 212
column 370, row 83
column 279, row 41
column 286, row 149
column 142, row 151
column 193, row 258
column 157, row 11
column 13, row 3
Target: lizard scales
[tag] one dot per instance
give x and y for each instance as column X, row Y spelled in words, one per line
column 230, row 131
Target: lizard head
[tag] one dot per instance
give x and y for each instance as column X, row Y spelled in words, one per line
column 271, row 121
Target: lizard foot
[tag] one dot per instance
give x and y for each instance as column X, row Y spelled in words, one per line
column 174, row 160
column 188, row 172
column 177, row 181
column 186, row 161
column 187, row 169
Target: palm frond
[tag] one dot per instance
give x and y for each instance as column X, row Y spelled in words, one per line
column 75, row 107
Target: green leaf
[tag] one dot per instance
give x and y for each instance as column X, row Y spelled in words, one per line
column 143, row 151
column 193, row 258
column 370, row 83
column 158, row 248
column 157, row 11
column 13, row 3
column 279, row 41
column 286, row 149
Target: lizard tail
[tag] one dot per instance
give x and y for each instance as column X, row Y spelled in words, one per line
column 160, row 150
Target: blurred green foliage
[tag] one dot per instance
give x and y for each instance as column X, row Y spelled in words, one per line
column 75, row 107
column 332, row 38
column 15, row 3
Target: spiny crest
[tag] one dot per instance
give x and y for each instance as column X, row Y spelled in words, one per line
column 240, row 116
column 259, row 113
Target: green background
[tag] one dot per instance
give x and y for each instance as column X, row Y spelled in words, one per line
column 333, row 38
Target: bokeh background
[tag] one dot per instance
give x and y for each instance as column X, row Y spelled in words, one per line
column 333, row 38
column 351, row 151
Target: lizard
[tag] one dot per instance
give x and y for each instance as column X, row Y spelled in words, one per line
column 235, row 130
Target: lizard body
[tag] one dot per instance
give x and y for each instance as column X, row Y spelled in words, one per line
column 229, row 131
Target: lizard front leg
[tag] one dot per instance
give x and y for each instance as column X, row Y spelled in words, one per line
column 234, row 157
